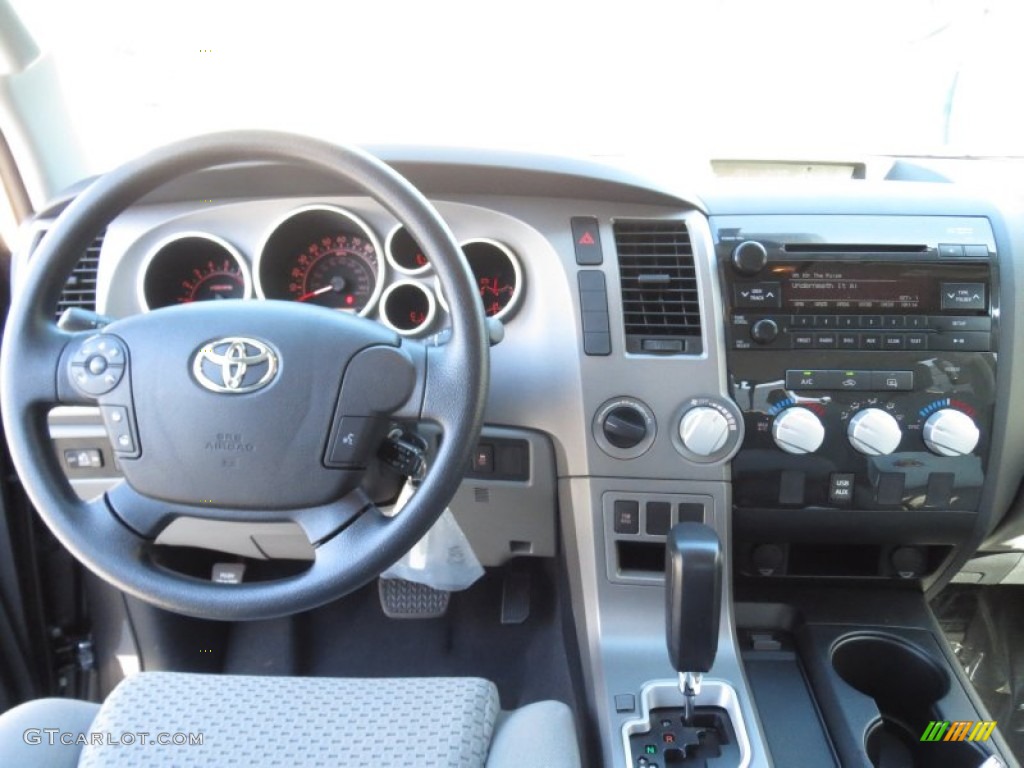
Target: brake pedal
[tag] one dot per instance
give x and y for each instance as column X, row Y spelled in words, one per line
column 401, row 599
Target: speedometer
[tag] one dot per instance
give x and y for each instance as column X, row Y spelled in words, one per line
column 337, row 272
column 321, row 255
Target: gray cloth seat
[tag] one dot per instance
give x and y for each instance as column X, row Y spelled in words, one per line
column 242, row 720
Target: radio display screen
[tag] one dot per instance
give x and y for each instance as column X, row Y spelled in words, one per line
column 846, row 287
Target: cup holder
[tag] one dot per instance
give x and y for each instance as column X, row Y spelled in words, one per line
column 906, row 685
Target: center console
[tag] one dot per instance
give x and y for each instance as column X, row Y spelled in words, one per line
column 836, row 434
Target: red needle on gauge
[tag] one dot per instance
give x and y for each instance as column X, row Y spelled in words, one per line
column 337, row 283
column 314, row 294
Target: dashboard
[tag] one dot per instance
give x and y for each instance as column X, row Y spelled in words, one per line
column 827, row 375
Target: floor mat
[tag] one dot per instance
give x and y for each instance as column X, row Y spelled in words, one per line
column 353, row 638
column 985, row 626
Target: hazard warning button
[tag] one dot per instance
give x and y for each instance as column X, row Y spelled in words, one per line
column 586, row 238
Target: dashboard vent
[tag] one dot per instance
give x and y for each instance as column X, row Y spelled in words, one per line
column 660, row 307
column 80, row 288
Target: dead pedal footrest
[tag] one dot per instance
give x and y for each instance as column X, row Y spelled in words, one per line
column 401, row 599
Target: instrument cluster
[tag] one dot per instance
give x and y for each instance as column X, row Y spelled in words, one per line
column 328, row 256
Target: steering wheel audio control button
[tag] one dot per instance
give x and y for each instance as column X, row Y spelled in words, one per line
column 121, row 430
column 97, row 367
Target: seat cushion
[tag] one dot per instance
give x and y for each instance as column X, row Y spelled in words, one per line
column 295, row 721
column 24, row 736
column 541, row 734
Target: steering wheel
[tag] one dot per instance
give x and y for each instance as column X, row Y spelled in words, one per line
column 246, row 411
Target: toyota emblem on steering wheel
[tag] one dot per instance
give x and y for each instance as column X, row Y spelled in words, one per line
column 234, row 365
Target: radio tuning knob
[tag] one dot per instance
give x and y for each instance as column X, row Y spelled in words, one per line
column 949, row 432
column 874, row 432
column 704, row 430
column 749, row 257
column 798, row 430
column 764, row 331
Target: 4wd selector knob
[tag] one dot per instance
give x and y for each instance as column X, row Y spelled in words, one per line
column 798, row 430
column 874, row 432
column 949, row 432
column 749, row 257
column 704, row 430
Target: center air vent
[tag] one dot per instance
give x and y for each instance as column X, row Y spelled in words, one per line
column 80, row 288
column 659, row 287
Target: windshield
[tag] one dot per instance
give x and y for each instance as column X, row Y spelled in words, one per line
column 726, row 79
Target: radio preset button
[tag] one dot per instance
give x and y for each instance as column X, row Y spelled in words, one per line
column 893, row 321
column 847, row 321
column 801, row 321
column 871, row 321
column 917, row 322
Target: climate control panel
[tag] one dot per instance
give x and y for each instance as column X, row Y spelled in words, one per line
column 864, row 369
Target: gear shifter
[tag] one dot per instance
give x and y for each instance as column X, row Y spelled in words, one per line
column 693, row 604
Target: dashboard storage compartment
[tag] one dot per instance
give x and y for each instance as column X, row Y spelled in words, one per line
column 886, row 692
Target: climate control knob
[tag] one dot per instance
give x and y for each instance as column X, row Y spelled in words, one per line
column 949, row 432
column 704, row 430
column 798, row 430
column 874, row 432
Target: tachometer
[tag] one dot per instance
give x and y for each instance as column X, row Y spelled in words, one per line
column 321, row 255
column 193, row 266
